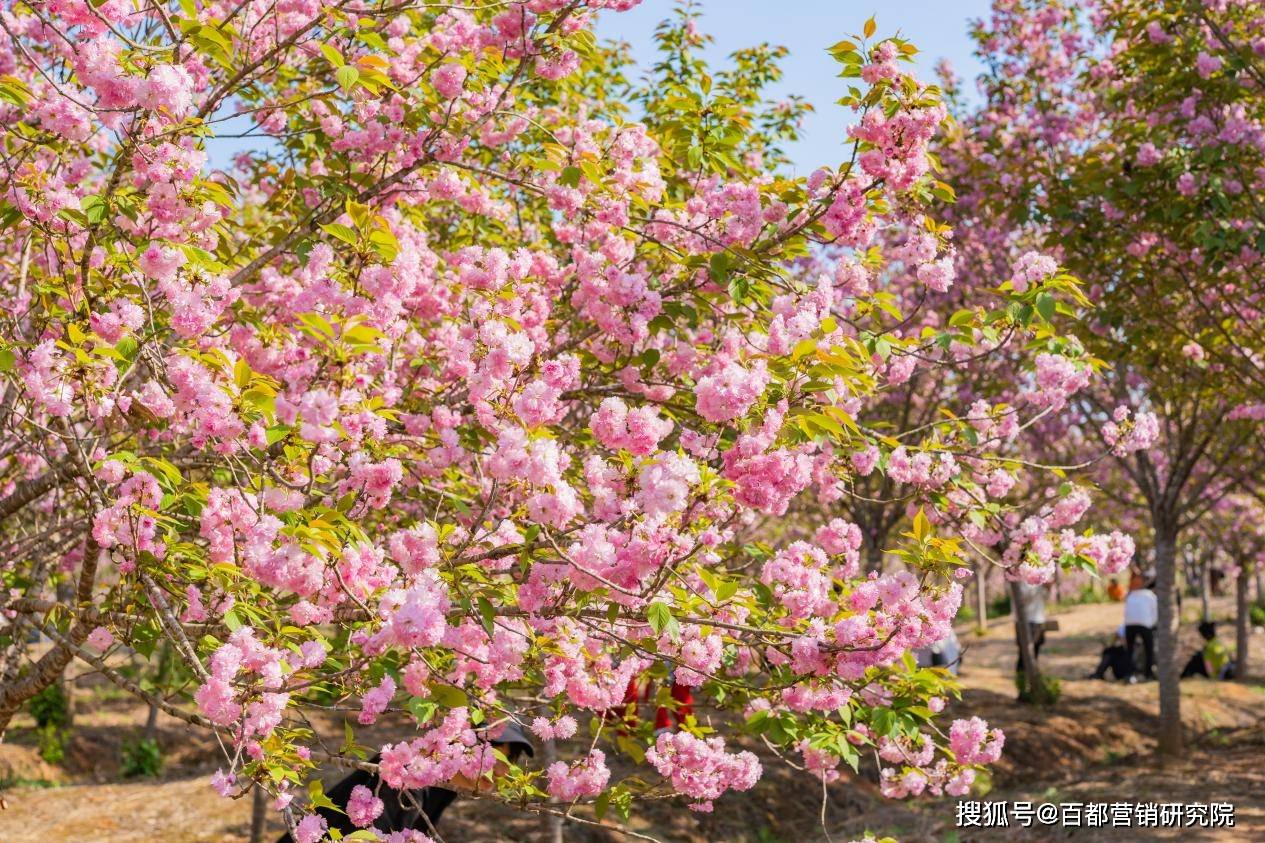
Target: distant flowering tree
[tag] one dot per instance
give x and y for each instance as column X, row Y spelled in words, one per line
column 1231, row 531
column 1127, row 139
column 983, row 403
column 465, row 398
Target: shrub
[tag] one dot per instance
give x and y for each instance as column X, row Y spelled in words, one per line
column 51, row 711
column 51, row 741
column 50, row 707
column 141, row 758
column 1047, row 692
column 999, row 607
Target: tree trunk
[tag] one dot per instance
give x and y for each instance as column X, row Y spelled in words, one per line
column 1205, row 589
column 258, row 814
column 552, row 822
column 1023, row 635
column 1242, row 624
column 49, row 668
column 981, row 598
column 66, row 594
column 151, row 723
column 1170, row 737
column 873, row 555
column 46, row 671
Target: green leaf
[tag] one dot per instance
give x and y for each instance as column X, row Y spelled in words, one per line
column 332, row 55
column 1045, row 306
column 487, row 614
column 720, row 265
column 373, row 39
column 659, row 616
column 423, row 710
column 342, row 232
column 922, row 527
column 349, row 737
column 448, row 696
column 93, row 207
column 317, row 799
column 347, row 77
column 841, row 49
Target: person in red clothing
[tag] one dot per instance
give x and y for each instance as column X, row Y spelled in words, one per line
column 642, row 689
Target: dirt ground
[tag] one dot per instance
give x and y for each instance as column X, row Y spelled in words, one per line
column 1096, row 745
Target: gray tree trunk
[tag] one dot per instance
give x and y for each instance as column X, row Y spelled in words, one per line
column 151, row 723
column 552, row 822
column 1023, row 635
column 258, row 814
column 1205, row 588
column 981, row 597
column 1170, row 737
column 66, row 594
column 1242, row 623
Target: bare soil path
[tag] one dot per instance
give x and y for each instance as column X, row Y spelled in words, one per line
column 1095, row 745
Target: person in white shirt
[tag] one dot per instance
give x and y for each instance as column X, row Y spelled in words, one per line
column 1141, row 616
column 1033, row 599
column 946, row 653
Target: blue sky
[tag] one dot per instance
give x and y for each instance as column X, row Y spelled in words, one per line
column 806, row 27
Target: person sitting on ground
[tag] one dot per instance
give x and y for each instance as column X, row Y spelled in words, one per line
column 1213, row 661
column 1141, row 615
column 413, row 810
column 1115, row 657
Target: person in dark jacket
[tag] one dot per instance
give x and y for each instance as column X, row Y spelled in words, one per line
column 409, row 809
column 1116, row 658
column 1213, row 660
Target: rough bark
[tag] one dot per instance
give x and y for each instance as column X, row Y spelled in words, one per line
column 1170, row 736
column 45, row 672
column 29, row 491
column 49, row 668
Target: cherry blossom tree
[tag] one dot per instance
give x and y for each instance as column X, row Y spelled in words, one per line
column 1126, row 138
column 461, row 397
column 1232, row 531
